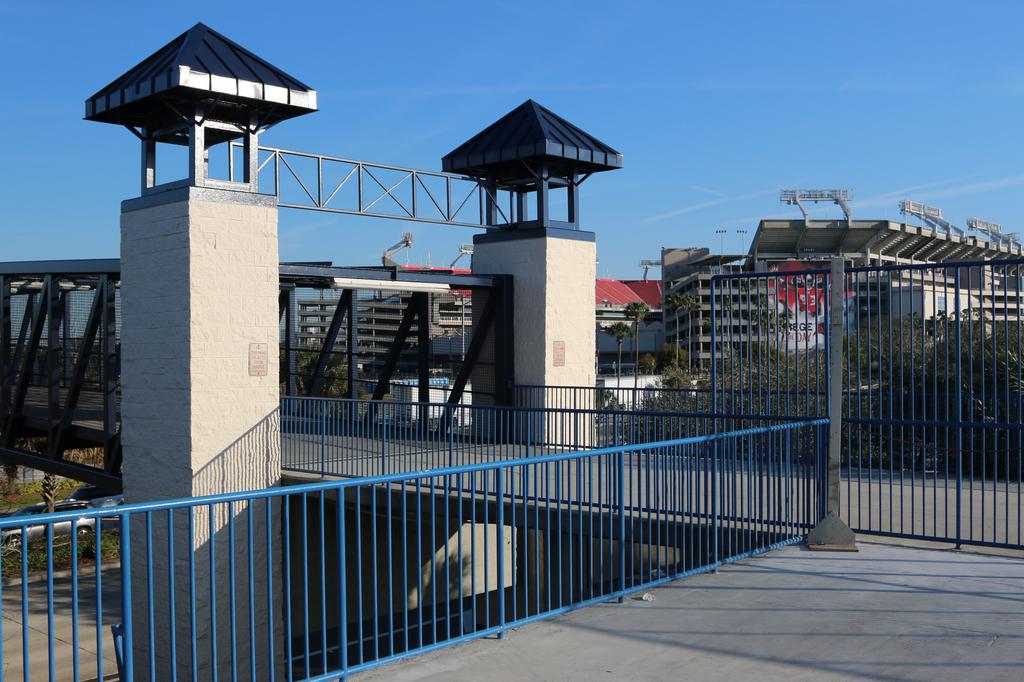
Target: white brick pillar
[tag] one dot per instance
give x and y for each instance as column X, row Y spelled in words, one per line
column 553, row 273
column 200, row 400
column 199, row 296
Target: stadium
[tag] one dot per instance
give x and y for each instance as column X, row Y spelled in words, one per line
column 805, row 244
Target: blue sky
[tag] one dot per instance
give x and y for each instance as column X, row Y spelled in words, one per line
column 715, row 106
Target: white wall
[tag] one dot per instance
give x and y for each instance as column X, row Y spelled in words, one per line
column 553, row 292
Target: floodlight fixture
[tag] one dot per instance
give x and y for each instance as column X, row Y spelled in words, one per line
column 464, row 250
column 796, row 197
column 931, row 215
column 647, row 265
column 993, row 230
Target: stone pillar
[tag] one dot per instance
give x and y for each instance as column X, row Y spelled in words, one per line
column 199, row 305
column 199, row 410
column 553, row 273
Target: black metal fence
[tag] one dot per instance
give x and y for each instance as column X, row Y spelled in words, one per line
column 932, row 386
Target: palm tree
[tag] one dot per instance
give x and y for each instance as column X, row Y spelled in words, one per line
column 637, row 312
column 675, row 302
column 689, row 303
column 49, row 491
column 620, row 330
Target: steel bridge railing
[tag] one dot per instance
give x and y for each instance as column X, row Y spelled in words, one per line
column 339, row 185
column 423, row 559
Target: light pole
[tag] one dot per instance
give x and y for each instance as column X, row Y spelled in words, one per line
column 741, row 232
column 721, row 242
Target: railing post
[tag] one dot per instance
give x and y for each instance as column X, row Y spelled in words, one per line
column 127, row 649
column 831, row 532
column 500, row 552
column 714, row 502
column 384, row 441
column 622, row 523
column 529, row 421
column 451, row 435
column 959, row 413
column 323, row 439
column 834, row 381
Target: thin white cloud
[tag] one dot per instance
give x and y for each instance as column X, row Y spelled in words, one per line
column 914, row 191
column 707, row 190
column 972, row 188
column 708, row 204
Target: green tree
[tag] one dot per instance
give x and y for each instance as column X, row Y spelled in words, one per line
column 667, row 356
column 10, row 478
column 637, row 312
column 620, row 330
column 335, row 381
column 676, row 302
column 647, row 364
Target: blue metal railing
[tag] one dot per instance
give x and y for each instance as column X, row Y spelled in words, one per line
column 321, row 580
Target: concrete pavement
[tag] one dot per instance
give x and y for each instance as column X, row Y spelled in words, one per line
column 888, row 612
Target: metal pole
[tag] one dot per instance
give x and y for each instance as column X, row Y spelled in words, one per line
column 127, row 648
column 622, row 514
column 837, row 291
column 831, row 533
column 500, row 498
column 959, row 410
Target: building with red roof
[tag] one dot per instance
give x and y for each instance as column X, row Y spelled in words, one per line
column 611, row 296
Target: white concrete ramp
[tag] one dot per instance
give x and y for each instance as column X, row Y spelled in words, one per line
column 886, row 613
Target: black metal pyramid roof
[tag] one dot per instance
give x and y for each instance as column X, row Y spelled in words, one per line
column 530, row 132
column 201, row 65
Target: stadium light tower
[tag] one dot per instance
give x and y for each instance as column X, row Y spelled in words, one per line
column 721, row 242
column 741, row 233
column 931, row 215
column 647, row 265
column 992, row 230
column 796, row 197
column 464, row 250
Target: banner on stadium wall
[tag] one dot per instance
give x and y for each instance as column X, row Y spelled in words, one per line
column 800, row 302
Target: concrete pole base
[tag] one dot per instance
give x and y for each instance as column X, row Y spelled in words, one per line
column 832, row 535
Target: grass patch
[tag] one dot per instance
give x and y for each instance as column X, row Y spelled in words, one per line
column 29, row 493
